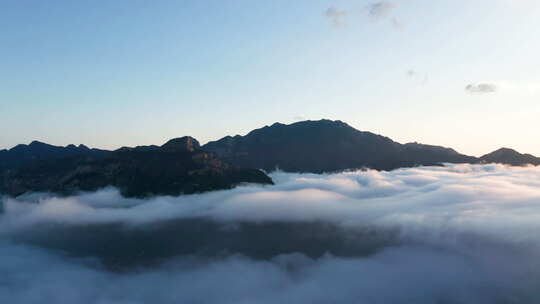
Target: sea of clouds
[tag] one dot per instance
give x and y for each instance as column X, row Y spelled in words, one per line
column 452, row 234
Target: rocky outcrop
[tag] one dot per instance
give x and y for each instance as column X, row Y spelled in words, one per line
column 182, row 144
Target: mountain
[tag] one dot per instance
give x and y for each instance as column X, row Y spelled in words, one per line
column 177, row 167
column 24, row 154
column 416, row 154
column 325, row 146
column 510, row 157
column 182, row 166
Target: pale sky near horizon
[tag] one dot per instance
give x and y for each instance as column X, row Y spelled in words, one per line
column 457, row 73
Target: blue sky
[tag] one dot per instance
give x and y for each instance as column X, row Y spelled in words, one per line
column 116, row 73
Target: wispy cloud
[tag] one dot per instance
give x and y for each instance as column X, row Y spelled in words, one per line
column 481, row 88
column 397, row 23
column 336, row 16
column 380, row 9
column 384, row 10
column 513, row 87
column 417, row 75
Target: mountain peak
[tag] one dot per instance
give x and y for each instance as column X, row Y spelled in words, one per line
column 510, row 157
column 322, row 122
column 181, row 144
column 505, row 150
column 502, row 152
column 36, row 143
column 325, row 146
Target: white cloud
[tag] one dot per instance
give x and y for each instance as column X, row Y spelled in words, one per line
column 419, row 275
column 457, row 234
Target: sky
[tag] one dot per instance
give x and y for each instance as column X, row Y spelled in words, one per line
column 108, row 74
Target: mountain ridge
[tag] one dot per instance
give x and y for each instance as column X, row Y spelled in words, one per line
column 182, row 165
column 36, row 150
column 177, row 167
column 326, row 146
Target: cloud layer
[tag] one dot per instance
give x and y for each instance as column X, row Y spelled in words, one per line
column 454, row 234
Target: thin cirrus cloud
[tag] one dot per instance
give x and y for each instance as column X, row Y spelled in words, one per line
column 453, row 234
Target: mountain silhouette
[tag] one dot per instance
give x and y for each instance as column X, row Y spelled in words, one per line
column 182, row 166
column 510, row 157
column 177, row 167
column 326, row 146
column 23, row 154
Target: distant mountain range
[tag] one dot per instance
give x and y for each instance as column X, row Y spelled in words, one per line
column 182, row 166
column 177, row 167
column 24, row 154
column 326, row 146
